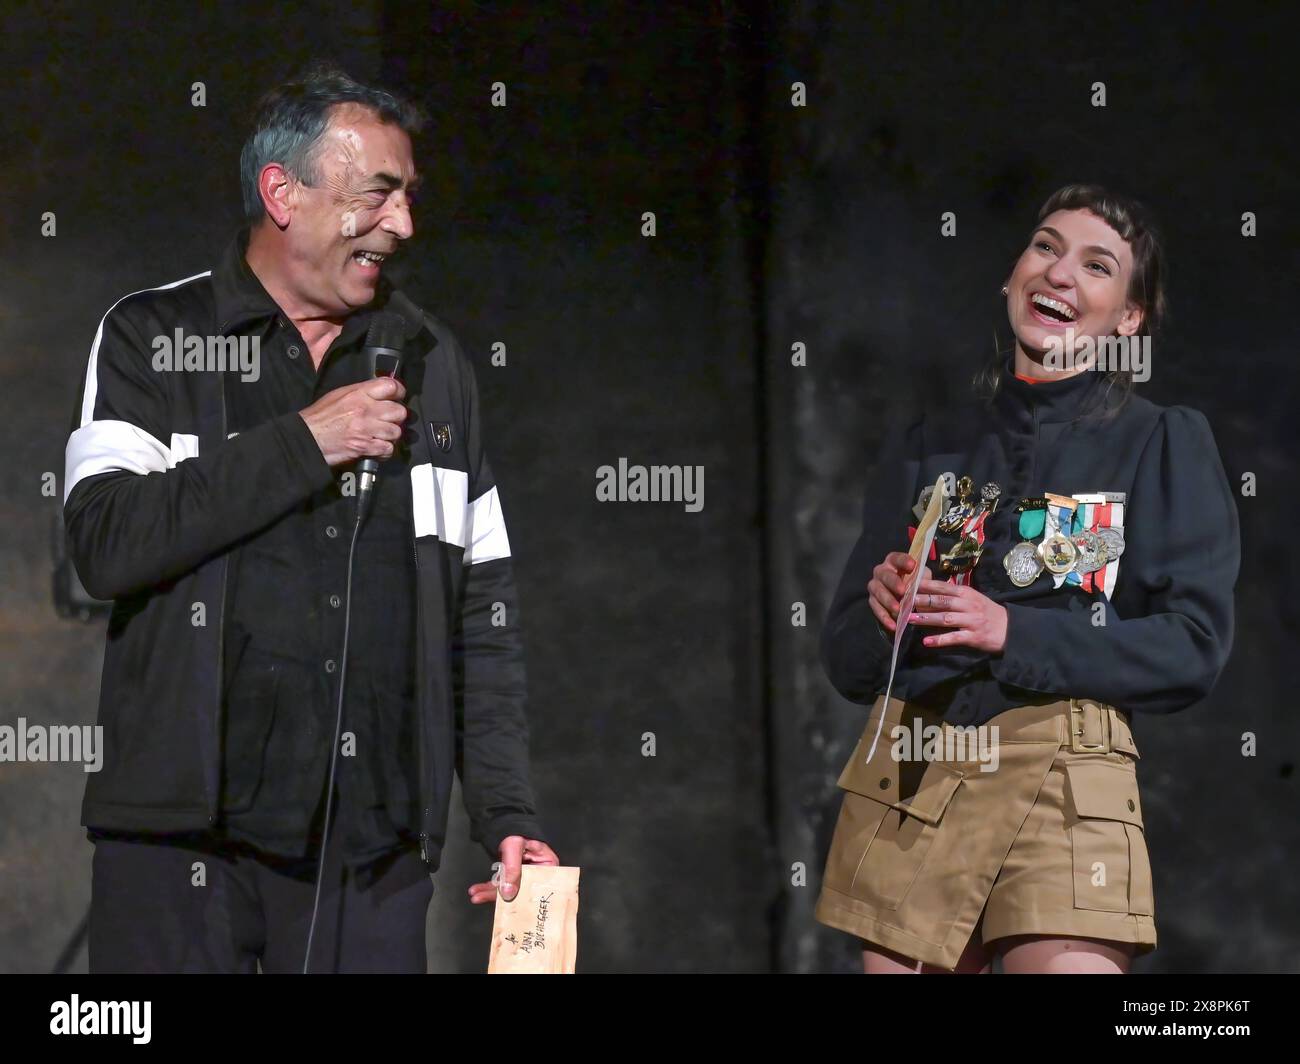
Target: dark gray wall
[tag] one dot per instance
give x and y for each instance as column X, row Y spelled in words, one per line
column 640, row 618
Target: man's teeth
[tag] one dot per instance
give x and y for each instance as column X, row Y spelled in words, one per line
column 1054, row 304
column 369, row 257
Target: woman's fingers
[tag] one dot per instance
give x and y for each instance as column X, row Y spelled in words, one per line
column 961, row 637
column 942, row 587
column 884, row 598
column 947, row 619
column 886, row 585
column 900, row 561
column 896, row 570
column 889, row 579
column 882, row 615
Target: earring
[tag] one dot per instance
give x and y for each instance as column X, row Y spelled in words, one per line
column 1004, row 290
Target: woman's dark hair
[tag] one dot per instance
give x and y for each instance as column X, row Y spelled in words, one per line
column 1146, row 288
column 292, row 118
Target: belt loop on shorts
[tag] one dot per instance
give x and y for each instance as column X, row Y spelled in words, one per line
column 1089, row 727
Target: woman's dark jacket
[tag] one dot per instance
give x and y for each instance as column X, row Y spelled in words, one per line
column 1158, row 644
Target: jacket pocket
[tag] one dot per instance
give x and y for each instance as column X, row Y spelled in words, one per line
column 886, row 827
column 395, row 707
column 249, row 716
column 1112, row 871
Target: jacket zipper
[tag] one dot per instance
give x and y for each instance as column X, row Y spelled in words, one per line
column 419, row 698
column 419, row 695
column 221, row 632
column 1033, row 451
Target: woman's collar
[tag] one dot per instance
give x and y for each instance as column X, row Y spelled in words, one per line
column 1062, row 399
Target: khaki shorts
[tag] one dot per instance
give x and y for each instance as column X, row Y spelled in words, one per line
column 1048, row 843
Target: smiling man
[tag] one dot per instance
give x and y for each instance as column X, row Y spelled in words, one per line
column 258, row 610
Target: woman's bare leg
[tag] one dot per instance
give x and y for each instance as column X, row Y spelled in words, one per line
column 876, row 960
column 1056, row 955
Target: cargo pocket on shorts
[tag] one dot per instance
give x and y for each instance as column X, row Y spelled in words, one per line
column 1112, row 871
column 881, row 838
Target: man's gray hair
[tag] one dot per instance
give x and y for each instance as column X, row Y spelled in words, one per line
column 292, row 118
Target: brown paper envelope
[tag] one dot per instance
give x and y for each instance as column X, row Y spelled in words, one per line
column 537, row 931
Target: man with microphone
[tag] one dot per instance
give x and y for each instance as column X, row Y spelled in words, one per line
column 302, row 651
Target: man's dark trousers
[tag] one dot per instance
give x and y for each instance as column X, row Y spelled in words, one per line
column 147, row 914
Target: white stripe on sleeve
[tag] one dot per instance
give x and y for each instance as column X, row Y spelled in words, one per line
column 92, row 379
column 107, row 446
column 440, row 507
column 487, row 530
column 439, row 502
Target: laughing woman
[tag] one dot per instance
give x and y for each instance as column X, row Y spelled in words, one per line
column 1082, row 576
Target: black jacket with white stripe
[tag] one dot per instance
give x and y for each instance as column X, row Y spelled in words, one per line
column 155, row 496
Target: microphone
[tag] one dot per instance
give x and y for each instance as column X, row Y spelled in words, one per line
column 383, row 355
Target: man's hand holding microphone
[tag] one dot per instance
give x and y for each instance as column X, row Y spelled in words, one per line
column 363, row 420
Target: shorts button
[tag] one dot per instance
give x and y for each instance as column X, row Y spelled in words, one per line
column 884, row 784
column 1131, row 806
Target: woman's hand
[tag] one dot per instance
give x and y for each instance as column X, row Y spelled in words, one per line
column 978, row 621
column 888, row 580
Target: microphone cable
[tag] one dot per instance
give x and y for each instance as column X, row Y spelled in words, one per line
column 383, row 352
column 362, row 509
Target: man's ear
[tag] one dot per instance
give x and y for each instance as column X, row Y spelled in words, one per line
column 278, row 190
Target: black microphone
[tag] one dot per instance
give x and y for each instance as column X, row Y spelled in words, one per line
column 383, row 355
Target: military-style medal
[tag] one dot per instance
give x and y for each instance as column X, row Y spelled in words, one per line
column 1058, row 554
column 1113, row 538
column 1082, row 538
column 1109, row 526
column 1092, row 552
column 1099, row 535
column 1057, row 549
column 1022, row 563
